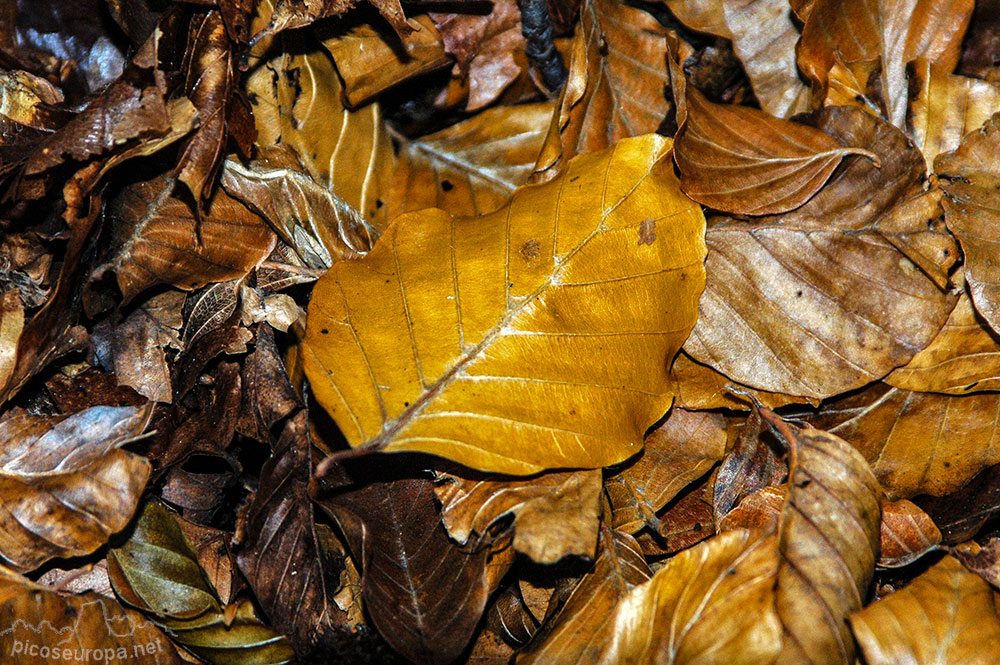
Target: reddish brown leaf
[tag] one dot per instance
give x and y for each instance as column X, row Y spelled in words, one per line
column 907, row 533
column 408, row 564
column 750, row 466
column 161, row 241
column 743, row 161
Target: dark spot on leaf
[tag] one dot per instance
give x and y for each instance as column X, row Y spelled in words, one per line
column 379, row 203
column 647, row 232
column 947, row 465
column 798, row 294
column 406, row 404
column 325, row 331
column 530, row 250
column 447, row 186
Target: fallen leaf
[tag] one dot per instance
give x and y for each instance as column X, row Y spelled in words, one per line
column 907, row 533
column 43, row 626
column 584, row 619
column 970, row 205
column 318, row 224
column 472, row 342
column 290, row 14
column 371, row 61
column 916, row 442
column 162, row 242
column 602, row 101
column 947, row 615
column 483, row 47
column 424, row 593
column 764, row 37
column 817, row 302
column 983, row 560
column 135, row 350
column 713, row 600
column 686, row 520
column 743, row 161
column 699, row 387
column 296, row 100
column 65, row 483
column 751, row 465
column 674, row 455
column 472, row 167
column 293, row 564
column 963, row 358
column 961, row 514
column 896, row 33
column 981, row 43
column 210, row 85
column 947, row 107
column 554, row 515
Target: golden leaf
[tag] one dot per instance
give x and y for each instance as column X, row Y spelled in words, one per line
column 535, row 337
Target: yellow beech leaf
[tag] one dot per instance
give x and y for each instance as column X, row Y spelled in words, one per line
column 535, row 337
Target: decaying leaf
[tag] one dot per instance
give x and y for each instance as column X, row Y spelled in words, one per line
column 530, row 297
column 743, row 161
column 751, row 465
column 674, row 455
column 554, row 515
column 601, row 101
column 65, row 483
column 290, row 14
column 816, row 301
column 161, row 240
column 407, row 560
column 318, row 224
column 296, row 100
column 983, row 560
column 699, row 387
column 971, row 205
column 896, row 33
column 917, row 442
column 947, row 615
column 371, row 61
column 963, row 358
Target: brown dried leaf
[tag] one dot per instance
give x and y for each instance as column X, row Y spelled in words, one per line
column 764, row 37
column 316, row 222
column 963, row 358
column 424, row 593
column 293, row 564
column 917, row 442
column 11, row 325
column 472, row 167
column 65, row 484
column 971, row 206
column 981, row 44
column 895, row 32
column 674, row 455
column 947, row 107
column 554, row 515
column 483, row 47
column 686, row 520
column 135, row 350
column 947, row 616
column 743, row 161
column 570, row 635
column 78, row 627
column 928, row 246
column 210, row 80
column 160, row 241
column 296, row 100
column 961, row 515
column 715, row 598
column 983, row 560
column 907, row 533
column 603, row 100
column 816, row 302
column 751, row 465
column 370, row 61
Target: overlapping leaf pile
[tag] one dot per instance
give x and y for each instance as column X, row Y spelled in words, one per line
column 565, row 332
